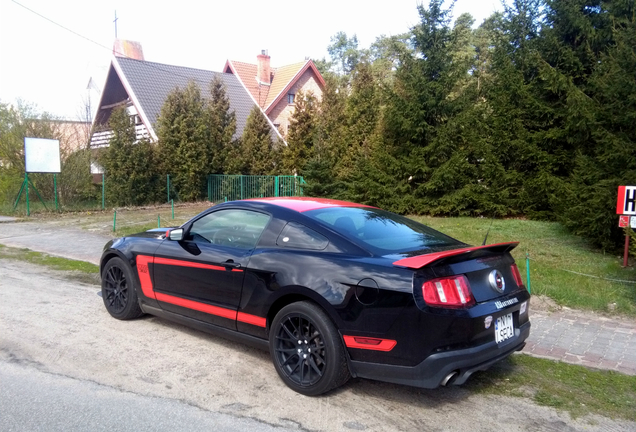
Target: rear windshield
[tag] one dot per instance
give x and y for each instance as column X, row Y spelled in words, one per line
column 380, row 231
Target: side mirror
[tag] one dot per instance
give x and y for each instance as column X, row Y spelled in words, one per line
column 175, row 234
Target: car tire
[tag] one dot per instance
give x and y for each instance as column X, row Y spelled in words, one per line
column 307, row 349
column 118, row 290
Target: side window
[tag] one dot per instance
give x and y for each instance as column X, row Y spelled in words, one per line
column 295, row 235
column 236, row 228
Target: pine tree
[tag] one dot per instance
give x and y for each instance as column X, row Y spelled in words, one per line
column 184, row 141
column 222, row 126
column 131, row 176
column 362, row 110
column 257, row 145
column 301, row 134
column 588, row 206
column 430, row 122
column 320, row 173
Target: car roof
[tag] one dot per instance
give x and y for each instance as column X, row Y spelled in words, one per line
column 303, row 204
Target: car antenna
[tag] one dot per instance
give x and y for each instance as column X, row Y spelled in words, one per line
column 487, row 232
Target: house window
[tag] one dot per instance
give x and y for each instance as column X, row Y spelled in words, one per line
column 290, row 98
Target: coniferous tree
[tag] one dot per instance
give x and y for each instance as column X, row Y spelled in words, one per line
column 301, row 134
column 222, row 126
column 130, row 165
column 255, row 155
column 425, row 122
column 532, row 114
column 362, row 112
column 321, row 174
column 184, row 141
column 588, row 206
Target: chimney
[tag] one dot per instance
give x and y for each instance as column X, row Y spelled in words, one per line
column 126, row 48
column 263, row 71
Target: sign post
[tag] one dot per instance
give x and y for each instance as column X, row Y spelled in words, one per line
column 40, row 156
column 626, row 208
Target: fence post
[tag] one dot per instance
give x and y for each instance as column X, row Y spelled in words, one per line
column 210, row 187
column 114, row 220
column 242, row 187
column 168, row 185
column 276, row 186
column 528, row 271
column 55, row 189
column 104, row 192
column 26, row 181
column 172, row 208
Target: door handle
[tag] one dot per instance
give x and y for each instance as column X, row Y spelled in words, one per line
column 231, row 264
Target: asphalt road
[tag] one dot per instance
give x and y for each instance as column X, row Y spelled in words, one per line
column 54, row 240
column 65, row 363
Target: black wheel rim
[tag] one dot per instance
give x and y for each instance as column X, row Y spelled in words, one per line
column 115, row 289
column 300, row 350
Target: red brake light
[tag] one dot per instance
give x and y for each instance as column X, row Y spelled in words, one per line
column 450, row 292
column 516, row 275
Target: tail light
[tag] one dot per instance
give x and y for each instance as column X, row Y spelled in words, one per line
column 516, row 275
column 453, row 292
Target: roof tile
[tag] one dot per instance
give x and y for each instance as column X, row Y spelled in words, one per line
column 152, row 82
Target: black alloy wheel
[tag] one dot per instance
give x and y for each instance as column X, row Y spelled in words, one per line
column 307, row 350
column 118, row 290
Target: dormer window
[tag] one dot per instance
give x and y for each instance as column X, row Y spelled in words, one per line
column 290, row 98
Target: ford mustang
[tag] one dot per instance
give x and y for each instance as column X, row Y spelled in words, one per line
column 331, row 288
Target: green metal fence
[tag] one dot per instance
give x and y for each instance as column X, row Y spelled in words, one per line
column 233, row 187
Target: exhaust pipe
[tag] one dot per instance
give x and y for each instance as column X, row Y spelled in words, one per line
column 449, row 378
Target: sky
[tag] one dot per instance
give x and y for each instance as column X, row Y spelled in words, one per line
column 45, row 64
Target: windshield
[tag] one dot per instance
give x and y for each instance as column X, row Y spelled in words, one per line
column 380, row 231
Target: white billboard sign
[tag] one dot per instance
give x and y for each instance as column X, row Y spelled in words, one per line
column 42, row 155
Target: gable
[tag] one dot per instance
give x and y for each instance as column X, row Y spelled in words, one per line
column 282, row 78
column 287, row 82
column 247, row 72
column 148, row 85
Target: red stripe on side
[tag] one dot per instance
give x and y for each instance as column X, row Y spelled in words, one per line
column 201, row 307
column 251, row 319
column 179, row 263
column 620, row 204
column 367, row 343
column 143, row 270
column 148, row 290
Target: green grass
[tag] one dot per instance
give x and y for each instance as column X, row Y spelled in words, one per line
column 554, row 253
column 133, row 229
column 575, row 389
column 77, row 270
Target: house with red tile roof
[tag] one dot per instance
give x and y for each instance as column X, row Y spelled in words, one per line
column 142, row 87
column 274, row 89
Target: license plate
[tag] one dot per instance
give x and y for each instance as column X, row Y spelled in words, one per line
column 504, row 329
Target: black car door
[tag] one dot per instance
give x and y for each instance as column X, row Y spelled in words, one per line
column 201, row 276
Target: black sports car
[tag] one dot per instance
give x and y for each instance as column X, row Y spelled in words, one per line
column 333, row 289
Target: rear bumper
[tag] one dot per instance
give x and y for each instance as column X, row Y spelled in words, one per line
column 432, row 372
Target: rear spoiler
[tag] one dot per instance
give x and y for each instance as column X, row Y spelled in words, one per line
column 420, row 261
